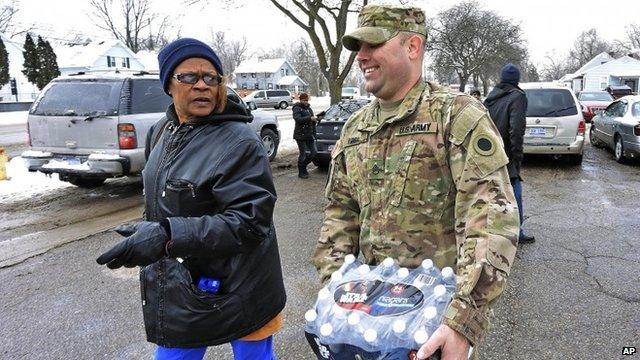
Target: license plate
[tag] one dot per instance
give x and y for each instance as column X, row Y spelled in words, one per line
column 72, row 161
column 537, row 132
column 331, row 147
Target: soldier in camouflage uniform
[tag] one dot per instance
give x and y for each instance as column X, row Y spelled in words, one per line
column 420, row 173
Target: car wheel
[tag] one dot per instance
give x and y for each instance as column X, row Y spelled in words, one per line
column 270, row 142
column 575, row 159
column 592, row 138
column 321, row 164
column 618, row 150
column 283, row 105
column 86, row 183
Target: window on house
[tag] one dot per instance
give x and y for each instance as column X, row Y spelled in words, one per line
column 286, row 71
column 111, row 61
column 604, row 81
column 253, row 75
column 256, row 86
column 268, row 75
column 282, row 72
column 244, row 86
column 244, row 75
column 269, row 86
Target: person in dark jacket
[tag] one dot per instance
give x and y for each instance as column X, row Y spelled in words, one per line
column 304, row 134
column 507, row 105
column 211, row 269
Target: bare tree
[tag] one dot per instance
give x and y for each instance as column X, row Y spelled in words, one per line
column 132, row 22
column 231, row 52
column 586, row 47
column 554, row 67
column 320, row 19
column 466, row 38
column 304, row 60
column 7, row 10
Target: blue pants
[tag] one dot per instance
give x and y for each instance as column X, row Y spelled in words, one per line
column 242, row 350
column 517, row 191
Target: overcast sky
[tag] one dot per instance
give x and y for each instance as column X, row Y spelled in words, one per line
column 548, row 25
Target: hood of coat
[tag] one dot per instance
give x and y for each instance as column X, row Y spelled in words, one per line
column 499, row 91
column 233, row 111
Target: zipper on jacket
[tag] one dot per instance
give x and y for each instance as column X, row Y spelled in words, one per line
column 143, row 287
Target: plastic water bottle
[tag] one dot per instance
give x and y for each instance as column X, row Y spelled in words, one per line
column 209, row 285
column 448, row 277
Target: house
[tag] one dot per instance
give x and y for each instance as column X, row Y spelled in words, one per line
column 268, row 74
column 602, row 71
column 96, row 56
column 24, row 91
column 149, row 60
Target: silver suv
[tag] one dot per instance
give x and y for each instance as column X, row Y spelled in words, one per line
column 278, row 99
column 555, row 124
column 88, row 128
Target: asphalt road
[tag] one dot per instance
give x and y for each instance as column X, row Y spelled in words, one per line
column 574, row 294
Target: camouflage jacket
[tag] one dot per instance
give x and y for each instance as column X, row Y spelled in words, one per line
column 428, row 183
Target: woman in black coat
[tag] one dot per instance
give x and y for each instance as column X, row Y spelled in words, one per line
column 211, row 270
column 304, row 134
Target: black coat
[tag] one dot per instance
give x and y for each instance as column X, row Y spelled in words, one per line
column 211, row 180
column 507, row 106
column 305, row 128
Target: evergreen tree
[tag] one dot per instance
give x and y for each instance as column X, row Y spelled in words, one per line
column 47, row 63
column 31, row 65
column 4, row 64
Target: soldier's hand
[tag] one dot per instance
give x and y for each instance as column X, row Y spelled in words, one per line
column 454, row 345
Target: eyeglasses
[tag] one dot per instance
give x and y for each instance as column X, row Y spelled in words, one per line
column 192, row 78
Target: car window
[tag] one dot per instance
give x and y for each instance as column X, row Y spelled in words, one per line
column 595, row 96
column 233, row 96
column 610, row 110
column 621, row 109
column 635, row 109
column 147, row 96
column 80, row 98
column 550, row 103
column 259, row 95
column 342, row 111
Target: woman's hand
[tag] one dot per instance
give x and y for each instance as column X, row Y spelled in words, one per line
column 144, row 245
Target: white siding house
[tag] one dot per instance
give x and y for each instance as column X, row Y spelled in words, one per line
column 97, row 56
column 268, row 74
column 598, row 73
column 26, row 91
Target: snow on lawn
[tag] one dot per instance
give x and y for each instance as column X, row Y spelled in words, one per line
column 23, row 184
column 13, row 117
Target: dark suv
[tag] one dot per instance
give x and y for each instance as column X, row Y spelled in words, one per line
column 329, row 128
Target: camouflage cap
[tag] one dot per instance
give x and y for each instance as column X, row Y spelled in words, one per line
column 379, row 23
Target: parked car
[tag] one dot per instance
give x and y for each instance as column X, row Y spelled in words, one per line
column 618, row 91
column 87, row 128
column 555, row 125
column 350, row 93
column 278, row 99
column 593, row 102
column 618, row 128
column 330, row 126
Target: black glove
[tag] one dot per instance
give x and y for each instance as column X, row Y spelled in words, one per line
column 144, row 245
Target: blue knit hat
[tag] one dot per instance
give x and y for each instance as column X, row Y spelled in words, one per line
column 510, row 74
column 180, row 50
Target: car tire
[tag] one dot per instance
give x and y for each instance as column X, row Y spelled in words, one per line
column 270, row 141
column 321, row 164
column 592, row 138
column 86, row 183
column 618, row 150
column 283, row 105
column 575, row 159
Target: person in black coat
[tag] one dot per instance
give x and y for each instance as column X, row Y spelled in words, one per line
column 211, row 271
column 507, row 105
column 304, row 134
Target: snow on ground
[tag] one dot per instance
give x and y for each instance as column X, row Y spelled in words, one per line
column 23, row 184
column 13, row 117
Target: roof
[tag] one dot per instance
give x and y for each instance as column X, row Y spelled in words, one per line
column 542, row 85
column 597, row 60
column 290, row 80
column 625, row 66
column 260, row 66
column 149, row 60
column 85, row 55
column 109, row 75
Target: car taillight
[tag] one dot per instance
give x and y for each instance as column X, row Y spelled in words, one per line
column 636, row 130
column 581, row 127
column 127, row 136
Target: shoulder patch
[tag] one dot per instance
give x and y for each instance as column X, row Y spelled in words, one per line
column 484, row 145
column 464, row 122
